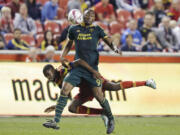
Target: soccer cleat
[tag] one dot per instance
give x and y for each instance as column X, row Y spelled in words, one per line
column 151, row 83
column 110, row 127
column 105, row 119
column 51, row 124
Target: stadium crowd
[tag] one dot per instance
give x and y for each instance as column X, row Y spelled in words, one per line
column 135, row 25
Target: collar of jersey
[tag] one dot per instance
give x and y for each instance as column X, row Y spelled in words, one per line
column 83, row 25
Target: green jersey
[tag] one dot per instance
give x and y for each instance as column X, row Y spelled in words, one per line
column 86, row 40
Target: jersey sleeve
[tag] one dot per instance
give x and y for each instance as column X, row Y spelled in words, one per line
column 71, row 34
column 102, row 34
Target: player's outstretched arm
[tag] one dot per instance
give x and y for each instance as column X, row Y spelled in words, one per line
column 65, row 51
column 80, row 62
column 109, row 42
column 50, row 109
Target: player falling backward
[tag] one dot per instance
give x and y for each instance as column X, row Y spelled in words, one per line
column 86, row 37
column 85, row 93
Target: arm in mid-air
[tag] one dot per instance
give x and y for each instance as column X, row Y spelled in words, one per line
column 65, row 51
column 109, row 42
column 50, row 109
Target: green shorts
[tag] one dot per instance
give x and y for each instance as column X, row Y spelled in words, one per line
column 75, row 76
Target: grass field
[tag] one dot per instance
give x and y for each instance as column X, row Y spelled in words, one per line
column 91, row 126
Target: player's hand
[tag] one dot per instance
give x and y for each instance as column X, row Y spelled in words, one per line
column 116, row 50
column 49, row 109
column 97, row 75
column 64, row 61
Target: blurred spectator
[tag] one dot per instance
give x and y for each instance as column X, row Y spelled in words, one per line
column 116, row 38
column 174, row 11
column 113, row 2
column 23, row 22
column 82, row 5
column 14, row 5
column 128, row 46
column 32, row 55
column 48, row 41
column 2, row 43
column 17, row 43
column 158, row 12
column 166, row 3
column 166, row 36
column 3, row 2
column 176, row 30
column 49, row 10
column 94, row 2
column 129, row 5
column 144, row 4
column 34, row 10
column 102, row 47
column 147, row 26
column 49, row 56
column 105, row 11
column 152, row 44
column 73, row 4
column 132, row 29
column 6, row 22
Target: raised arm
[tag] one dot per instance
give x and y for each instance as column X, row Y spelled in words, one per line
column 65, row 51
column 109, row 42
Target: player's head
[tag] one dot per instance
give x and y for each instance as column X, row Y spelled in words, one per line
column 88, row 17
column 49, row 72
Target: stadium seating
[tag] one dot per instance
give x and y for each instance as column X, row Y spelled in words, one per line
column 42, row 1
column 116, row 27
column 52, row 26
column 29, row 39
column 102, row 25
column 39, row 27
column 63, row 4
column 8, row 36
column 123, row 16
column 138, row 14
column 39, row 39
column 64, row 24
column 61, row 13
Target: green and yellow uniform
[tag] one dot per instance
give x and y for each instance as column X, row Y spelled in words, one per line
column 86, row 40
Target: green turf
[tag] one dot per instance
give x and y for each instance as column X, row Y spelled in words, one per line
column 91, row 126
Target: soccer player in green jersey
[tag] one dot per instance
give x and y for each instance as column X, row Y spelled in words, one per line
column 86, row 37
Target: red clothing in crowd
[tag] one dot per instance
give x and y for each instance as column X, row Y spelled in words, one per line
column 2, row 2
column 174, row 14
column 105, row 11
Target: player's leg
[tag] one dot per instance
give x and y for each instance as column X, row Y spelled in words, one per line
column 77, row 106
column 73, row 79
column 61, row 103
column 128, row 84
column 98, row 94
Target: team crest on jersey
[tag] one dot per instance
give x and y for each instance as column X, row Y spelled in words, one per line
column 78, row 31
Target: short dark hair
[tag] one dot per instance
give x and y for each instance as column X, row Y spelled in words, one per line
column 46, row 68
